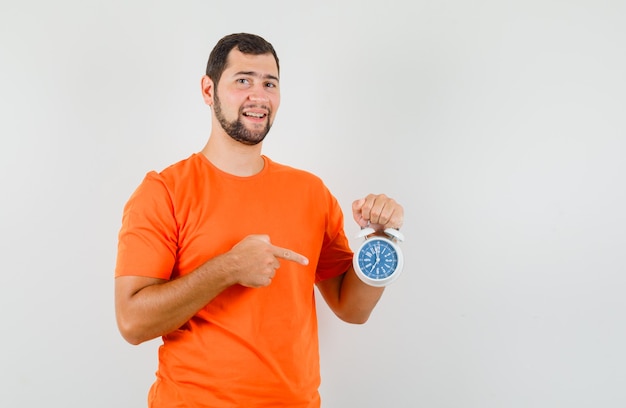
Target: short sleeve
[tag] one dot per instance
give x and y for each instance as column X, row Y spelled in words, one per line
column 336, row 255
column 148, row 237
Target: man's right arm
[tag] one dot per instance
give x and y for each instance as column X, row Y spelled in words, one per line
column 147, row 308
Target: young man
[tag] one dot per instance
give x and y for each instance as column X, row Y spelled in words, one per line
column 219, row 254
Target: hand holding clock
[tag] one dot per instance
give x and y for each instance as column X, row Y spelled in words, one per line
column 378, row 211
column 379, row 260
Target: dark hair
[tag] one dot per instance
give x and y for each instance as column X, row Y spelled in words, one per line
column 246, row 43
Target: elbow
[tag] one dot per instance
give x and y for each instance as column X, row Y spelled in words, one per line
column 130, row 336
column 133, row 340
column 131, row 332
column 354, row 318
column 356, row 321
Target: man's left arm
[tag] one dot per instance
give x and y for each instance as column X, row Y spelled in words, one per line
column 349, row 298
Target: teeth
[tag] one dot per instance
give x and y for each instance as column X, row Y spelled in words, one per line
column 254, row 114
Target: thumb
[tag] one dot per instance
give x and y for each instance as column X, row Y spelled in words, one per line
column 261, row 237
column 357, row 212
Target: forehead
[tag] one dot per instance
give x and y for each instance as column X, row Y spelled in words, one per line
column 263, row 65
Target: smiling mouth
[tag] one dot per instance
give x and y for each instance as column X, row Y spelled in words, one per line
column 257, row 115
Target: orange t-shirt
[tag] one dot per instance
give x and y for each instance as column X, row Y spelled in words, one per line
column 248, row 347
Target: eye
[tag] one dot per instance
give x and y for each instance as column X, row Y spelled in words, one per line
column 243, row 81
column 271, row 85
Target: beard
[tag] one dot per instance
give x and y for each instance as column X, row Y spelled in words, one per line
column 237, row 130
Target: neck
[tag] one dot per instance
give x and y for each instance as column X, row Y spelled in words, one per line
column 233, row 157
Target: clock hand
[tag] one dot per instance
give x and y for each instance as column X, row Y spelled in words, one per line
column 375, row 263
column 377, row 253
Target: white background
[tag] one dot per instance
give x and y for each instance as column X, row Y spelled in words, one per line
column 500, row 126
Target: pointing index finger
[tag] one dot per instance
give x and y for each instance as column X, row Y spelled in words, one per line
column 290, row 255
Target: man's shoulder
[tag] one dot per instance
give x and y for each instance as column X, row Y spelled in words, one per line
column 173, row 176
column 181, row 170
column 184, row 165
column 286, row 170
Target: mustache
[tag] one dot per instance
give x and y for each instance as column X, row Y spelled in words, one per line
column 255, row 106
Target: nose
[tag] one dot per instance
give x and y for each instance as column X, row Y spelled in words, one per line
column 258, row 93
column 258, row 97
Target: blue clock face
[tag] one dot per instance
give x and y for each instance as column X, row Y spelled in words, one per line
column 377, row 259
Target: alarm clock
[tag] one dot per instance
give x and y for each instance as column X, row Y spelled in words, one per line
column 379, row 260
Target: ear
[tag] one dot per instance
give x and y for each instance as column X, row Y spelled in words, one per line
column 208, row 89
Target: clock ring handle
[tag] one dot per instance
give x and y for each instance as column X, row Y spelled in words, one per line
column 365, row 232
column 392, row 232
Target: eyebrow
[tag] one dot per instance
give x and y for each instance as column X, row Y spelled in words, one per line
column 256, row 74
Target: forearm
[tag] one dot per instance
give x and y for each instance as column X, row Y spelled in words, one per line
column 357, row 298
column 159, row 307
column 349, row 298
